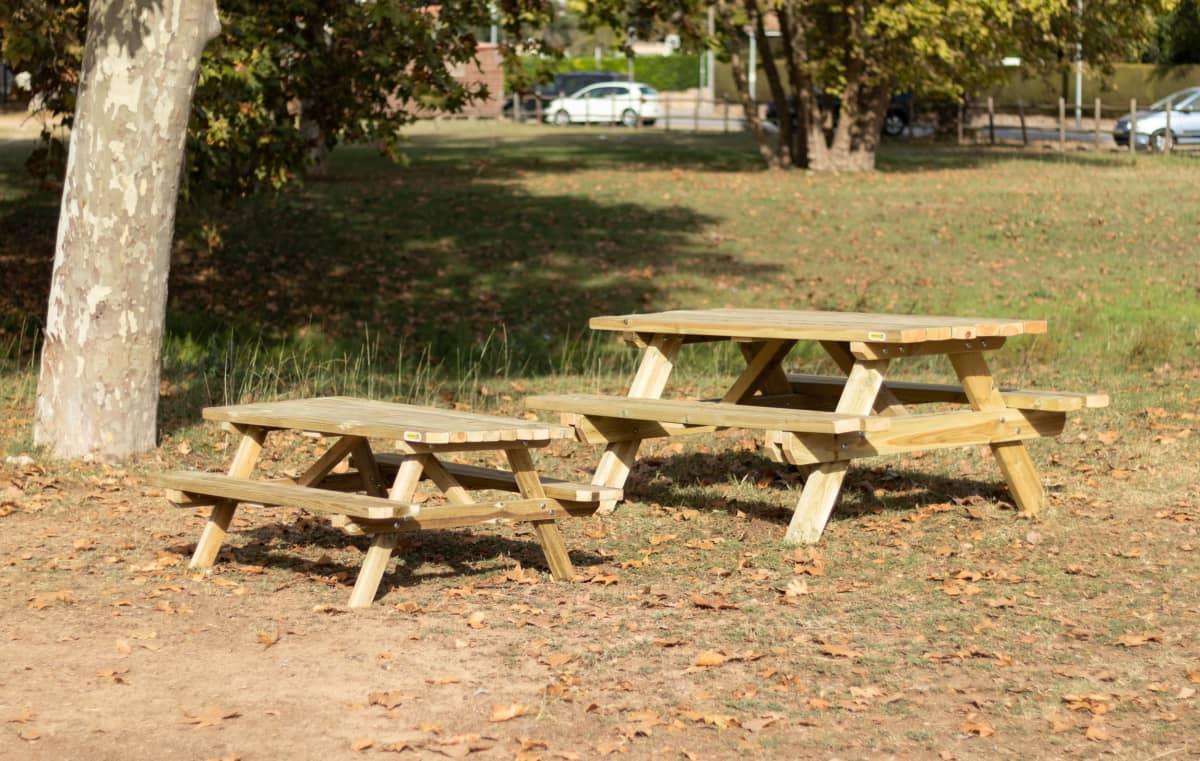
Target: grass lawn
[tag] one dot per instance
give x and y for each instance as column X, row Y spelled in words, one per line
column 931, row 621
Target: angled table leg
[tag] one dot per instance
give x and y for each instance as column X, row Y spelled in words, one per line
column 825, row 483
column 1013, row 457
column 222, row 513
column 657, row 362
column 886, row 403
column 380, row 552
column 547, row 530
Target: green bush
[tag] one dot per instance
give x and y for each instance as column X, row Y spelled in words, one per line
column 673, row 72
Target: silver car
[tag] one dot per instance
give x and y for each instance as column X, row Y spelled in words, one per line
column 1152, row 123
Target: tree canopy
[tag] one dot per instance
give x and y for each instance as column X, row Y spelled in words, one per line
column 284, row 82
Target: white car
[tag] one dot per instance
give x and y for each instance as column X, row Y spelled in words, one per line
column 608, row 103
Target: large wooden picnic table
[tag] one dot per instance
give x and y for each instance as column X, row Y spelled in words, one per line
column 824, row 422
column 374, row 496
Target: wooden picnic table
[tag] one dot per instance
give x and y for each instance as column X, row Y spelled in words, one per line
column 374, row 495
column 824, row 422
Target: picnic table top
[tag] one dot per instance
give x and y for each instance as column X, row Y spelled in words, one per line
column 343, row 415
column 817, row 325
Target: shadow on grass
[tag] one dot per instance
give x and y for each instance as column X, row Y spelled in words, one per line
column 684, row 478
column 415, row 560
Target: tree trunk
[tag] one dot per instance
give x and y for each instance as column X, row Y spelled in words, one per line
column 856, row 137
column 731, row 34
column 98, row 389
column 795, row 56
column 316, row 149
column 782, row 110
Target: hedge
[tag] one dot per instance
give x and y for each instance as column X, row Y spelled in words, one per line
column 670, row 72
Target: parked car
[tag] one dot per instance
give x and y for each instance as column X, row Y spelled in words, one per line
column 899, row 113
column 565, row 83
column 624, row 103
column 1152, row 123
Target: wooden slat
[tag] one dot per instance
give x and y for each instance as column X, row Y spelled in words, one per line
column 217, row 526
column 275, row 493
column 458, row 516
column 404, row 422
column 865, row 350
column 708, row 413
column 924, row 432
column 816, row 325
column 826, row 386
column 476, row 477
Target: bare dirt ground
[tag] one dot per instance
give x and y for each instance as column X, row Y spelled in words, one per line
column 932, row 622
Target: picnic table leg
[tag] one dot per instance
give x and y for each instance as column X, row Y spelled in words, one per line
column 380, row 552
column 886, row 403
column 772, row 379
column 222, row 513
column 547, row 530
column 657, row 362
column 825, row 483
column 1012, row 456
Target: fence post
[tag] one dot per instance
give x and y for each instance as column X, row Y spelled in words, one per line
column 612, row 110
column 991, row 121
column 961, row 108
column 517, row 107
column 1133, row 127
column 1021, row 113
column 1168, row 136
column 1062, row 123
column 666, row 101
column 1096, row 125
column 538, row 108
column 725, row 115
column 696, row 114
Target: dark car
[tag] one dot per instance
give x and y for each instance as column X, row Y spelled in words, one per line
column 899, row 113
column 566, row 83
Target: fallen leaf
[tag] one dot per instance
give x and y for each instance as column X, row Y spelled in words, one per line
column 209, row 716
column 388, row 700
column 29, row 735
column 709, row 659
column 443, row 680
column 507, row 711
column 1138, row 640
column 476, row 620
column 46, row 599
column 267, row 640
column 361, row 744
column 1194, row 676
column 840, row 651
column 1097, row 732
column 980, row 728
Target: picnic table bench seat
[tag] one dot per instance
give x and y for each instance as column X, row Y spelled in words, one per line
column 707, row 413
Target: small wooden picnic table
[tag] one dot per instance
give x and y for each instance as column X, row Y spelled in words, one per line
column 384, row 509
column 824, row 422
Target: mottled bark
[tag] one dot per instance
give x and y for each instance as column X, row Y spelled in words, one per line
column 795, row 57
column 98, row 389
column 856, row 137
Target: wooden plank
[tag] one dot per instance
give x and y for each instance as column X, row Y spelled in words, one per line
column 408, row 475
column 827, row 386
column 924, row 432
column 708, row 413
column 604, row 430
column 816, row 325
column 476, row 477
column 363, row 460
column 327, row 461
column 863, row 350
column 658, row 359
column 445, row 481
column 762, row 362
column 276, row 493
column 1013, row 458
column 825, row 482
column 774, row 379
column 547, row 531
column 217, row 526
column 886, row 402
column 373, row 567
column 458, row 516
column 370, row 418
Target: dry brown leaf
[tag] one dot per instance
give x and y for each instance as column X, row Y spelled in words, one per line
column 443, row 680
column 29, row 735
column 507, row 711
column 24, row 717
column 709, row 659
column 267, row 640
column 361, row 744
column 1060, row 723
column 1138, row 640
column 716, row 603
column 840, row 651
column 1194, row 676
column 209, row 716
column 388, row 700
column 476, row 620
column 557, row 660
column 657, row 539
column 979, row 728
column 46, row 599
